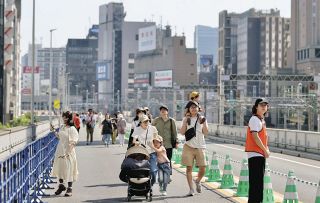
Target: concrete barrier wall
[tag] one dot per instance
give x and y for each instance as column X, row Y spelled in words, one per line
column 16, row 138
column 295, row 140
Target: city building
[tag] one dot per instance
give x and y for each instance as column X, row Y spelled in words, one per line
column 42, row 75
column 118, row 46
column 10, row 57
column 305, row 36
column 80, row 72
column 206, row 42
column 168, row 62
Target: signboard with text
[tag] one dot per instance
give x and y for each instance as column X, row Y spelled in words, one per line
column 26, row 80
column 141, row 80
column 102, row 71
column 147, row 38
column 163, row 78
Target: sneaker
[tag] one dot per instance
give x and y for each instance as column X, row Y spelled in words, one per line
column 198, row 186
column 164, row 193
column 191, row 193
column 69, row 192
column 60, row 189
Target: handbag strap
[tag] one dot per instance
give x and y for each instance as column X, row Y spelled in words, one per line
column 195, row 125
column 145, row 141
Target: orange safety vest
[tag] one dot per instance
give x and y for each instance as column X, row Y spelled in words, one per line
column 251, row 145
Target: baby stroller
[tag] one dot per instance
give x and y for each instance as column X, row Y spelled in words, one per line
column 135, row 170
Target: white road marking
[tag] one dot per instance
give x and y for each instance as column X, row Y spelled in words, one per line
column 288, row 160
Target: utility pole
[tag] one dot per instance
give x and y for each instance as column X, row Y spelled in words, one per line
column 33, row 130
column 50, row 77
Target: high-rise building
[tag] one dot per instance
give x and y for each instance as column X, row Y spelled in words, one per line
column 206, row 41
column 10, row 16
column 305, row 36
column 81, row 59
column 118, row 45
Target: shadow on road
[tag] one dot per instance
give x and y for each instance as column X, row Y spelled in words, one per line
column 108, row 185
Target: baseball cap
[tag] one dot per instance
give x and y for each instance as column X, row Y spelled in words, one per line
column 143, row 118
column 194, row 94
column 190, row 103
column 157, row 137
column 260, row 101
column 164, row 107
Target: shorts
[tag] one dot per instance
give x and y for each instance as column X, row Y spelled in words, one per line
column 190, row 154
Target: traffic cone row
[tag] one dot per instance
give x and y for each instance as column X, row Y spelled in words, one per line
column 243, row 185
column 291, row 195
column 227, row 181
column 267, row 187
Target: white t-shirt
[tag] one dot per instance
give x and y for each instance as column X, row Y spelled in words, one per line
column 255, row 124
column 145, row 136
column 197, row 141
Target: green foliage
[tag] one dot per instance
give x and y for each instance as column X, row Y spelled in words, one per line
column 23, row 120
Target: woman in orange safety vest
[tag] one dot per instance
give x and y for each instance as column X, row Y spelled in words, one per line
column 257, row 149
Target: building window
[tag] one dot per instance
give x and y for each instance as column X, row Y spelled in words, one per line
column 181, row 42
column 131, row 65
column 131, row 56
column 317, row 53
column 137, row 37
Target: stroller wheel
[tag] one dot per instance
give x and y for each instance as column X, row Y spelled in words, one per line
column 150, row 198
column 129, row 198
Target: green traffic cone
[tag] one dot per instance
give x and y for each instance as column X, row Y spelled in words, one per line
column 227, row 181
column 174, row 156
column 291, row 195
column 243, row 186
column 267, row 187
column 318, row 194
column 214, row 171
column 207, row 166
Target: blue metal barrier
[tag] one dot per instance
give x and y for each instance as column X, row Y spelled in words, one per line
column 24, row 175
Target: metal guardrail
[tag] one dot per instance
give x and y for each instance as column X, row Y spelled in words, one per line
column 25, row 174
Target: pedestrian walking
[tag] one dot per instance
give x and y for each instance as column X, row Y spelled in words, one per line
column 107, row 129
column 135, row 123
column 144, row 135
column 164, row 169
column 121, row 126
column 115, row 129
column 90, row 124
column 65, row 166
column 195, row 145
column 166, row 127
column 76, row 121
column 257, row 149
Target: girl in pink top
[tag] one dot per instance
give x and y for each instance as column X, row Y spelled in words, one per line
column 163, row 163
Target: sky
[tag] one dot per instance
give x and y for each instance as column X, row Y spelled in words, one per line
column 73, row 18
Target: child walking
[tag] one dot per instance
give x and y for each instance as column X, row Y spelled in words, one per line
column 164, row 169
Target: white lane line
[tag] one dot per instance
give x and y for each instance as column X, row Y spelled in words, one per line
column 283, row 159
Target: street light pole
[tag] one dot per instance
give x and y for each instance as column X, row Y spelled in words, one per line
column 32, row 74
column 76, row 97
column 50, row 77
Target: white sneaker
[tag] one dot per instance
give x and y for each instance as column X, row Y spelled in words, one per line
column 198, row 186
column 191, row 193
column 164, row 193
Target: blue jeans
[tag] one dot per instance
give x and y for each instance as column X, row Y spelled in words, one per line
column 164, row 175
column 153, row 167
column 106, row 138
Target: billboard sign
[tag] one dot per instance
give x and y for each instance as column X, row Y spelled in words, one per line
column 26, row 80
column 206, row 63
column 141, row 80
column 147, row 38
column 163, row 78
column 102, row 71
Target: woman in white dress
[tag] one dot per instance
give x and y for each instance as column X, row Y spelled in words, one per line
column 65, row 161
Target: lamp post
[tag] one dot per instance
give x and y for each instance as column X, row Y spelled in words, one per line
column 50, row 77
column 76, row 97
column 33, row 134
column 93, row 88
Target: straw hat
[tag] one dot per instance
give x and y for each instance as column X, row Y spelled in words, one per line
column 137, row 150
column 143, row 118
